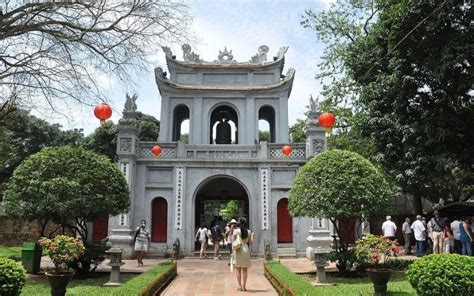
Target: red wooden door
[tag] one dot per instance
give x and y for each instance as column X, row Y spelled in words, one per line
column 99, row 229
column 347, row 230
column 284, row 222
column 159, row 220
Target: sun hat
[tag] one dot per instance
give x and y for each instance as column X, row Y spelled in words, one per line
column 233, row 221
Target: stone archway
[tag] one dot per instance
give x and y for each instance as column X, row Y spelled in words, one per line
column 220, row 196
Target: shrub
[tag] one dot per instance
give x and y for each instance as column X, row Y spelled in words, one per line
column 344, row 260
column 374, row 248
column 93, row 256
column 442, row 274
column 12, row 277
column 63, row 250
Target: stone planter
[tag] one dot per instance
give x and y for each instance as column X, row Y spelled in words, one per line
column 58, row 282
column 380, row 278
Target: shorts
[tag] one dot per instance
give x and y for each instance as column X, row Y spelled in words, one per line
column 141, row 247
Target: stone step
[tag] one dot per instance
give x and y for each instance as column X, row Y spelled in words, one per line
column 288, row 252
column 286, row 245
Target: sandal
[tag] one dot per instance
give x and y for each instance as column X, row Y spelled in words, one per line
column 239, row 289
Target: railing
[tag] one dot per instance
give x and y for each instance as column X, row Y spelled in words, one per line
column 219, row 152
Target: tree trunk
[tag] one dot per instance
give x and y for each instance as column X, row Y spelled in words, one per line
column 417, row 204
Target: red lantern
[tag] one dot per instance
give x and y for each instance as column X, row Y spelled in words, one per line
column 156, row 151
column 286, row 150
column 327, row 120
column 103, row 112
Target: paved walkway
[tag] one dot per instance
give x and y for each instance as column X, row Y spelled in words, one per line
column 208, row 277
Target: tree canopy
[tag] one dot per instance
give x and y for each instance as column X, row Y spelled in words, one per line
column 56, row 53
column 68, row 186
column 338, row 184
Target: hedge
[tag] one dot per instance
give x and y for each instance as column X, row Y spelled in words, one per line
column 285, row 281
column 442, row 274
column 12, row 277
column 151, row 282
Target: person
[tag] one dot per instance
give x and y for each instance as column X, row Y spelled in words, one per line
column 466, row 237
column 228, row 233
column 216, row 237
column 420, row 236
column 429, row 237
column 407, row 235
column 242, row 256
column 389, row 228
column 455, row 227
column 448, row 242
column 437, row 229
column 142, row 241
column 201, row 236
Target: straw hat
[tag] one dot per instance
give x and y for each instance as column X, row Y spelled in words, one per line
column 233, row 221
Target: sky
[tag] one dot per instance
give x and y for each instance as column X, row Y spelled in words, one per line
column 241, row 26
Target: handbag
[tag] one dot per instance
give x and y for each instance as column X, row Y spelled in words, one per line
column 237, row 243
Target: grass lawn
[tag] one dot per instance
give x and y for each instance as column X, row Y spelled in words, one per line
column 398, row 285
column 38, row 285
column 10, row 251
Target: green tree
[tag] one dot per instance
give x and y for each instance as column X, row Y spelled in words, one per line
column 415, row 95
column 230, row 210
column 338, row 184
column 68, row 186
column 149, row 127
column 297, row 131
column 264, row 136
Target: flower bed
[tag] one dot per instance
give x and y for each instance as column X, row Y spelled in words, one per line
column 285, row 281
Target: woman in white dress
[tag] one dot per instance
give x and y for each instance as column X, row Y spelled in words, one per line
column 242, row 255
column 201, row 236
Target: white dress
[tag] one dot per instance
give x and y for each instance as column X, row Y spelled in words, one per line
column 242, row 256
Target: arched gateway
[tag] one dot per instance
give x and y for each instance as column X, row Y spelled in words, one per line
column 223, row 169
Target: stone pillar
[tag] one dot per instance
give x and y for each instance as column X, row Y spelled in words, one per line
column 250, row 127
column 120, row 226
column 316, row 141
column 195, row 127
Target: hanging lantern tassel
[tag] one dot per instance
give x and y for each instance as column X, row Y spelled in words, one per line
column 156, row 151
column 103, row 112
column 327, row 120
column 286, row 150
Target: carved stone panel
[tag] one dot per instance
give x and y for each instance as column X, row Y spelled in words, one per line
column 264, row 195
column 125, row 145
column 224, row 79
column 179, row 199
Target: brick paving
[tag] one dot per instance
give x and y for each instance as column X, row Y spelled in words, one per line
column 208, row 277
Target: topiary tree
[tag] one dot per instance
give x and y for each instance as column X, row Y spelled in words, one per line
column 68, row 186
column 12, row 277
column 338, row 184
column 442, row 274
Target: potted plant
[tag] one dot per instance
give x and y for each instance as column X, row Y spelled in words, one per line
column 376, row 249
column 62, row 250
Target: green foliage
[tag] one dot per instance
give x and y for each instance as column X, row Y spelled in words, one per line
column 149, row 127
column 338, row 184
column 298, row 131
column 344, row 259
column 141, row 283
column 442, row 274
column 63, row 250
column 93, row 256
column 103, row 140
column 13, row 253
column 12, row 277
column 68, row 186
column 264, row 136
column 375, row 248
column 231, row 210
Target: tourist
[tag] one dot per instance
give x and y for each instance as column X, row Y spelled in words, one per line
column 228, row 233
column 455, row 227
column 420, row 236
column 201, row 236
column 216, row 237
column 429, row 236
column 466, row 236
column 406, row 229
column 142, row 241
column 389, row 228
column 448, row 242
column 242, row 256
column 437, row 227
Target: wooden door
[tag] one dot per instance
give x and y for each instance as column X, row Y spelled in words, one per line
column 347, row 230
column 99, row 229
column 284, row 222
column 159, row 220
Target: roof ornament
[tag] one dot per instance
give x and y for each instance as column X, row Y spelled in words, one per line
column 314, row 104
column 188, row 55
column 130, row 103
column 168, row 52
column 225, row 57
column 281, row 53
column 261, row 56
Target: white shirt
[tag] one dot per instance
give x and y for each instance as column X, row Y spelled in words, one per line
column 202, row 234
column 389, row 228
column 406, row 227
column 419, row 230
column 456, row 230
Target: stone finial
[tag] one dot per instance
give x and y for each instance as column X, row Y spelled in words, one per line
column 130, row 103
column 261, row 56
column 159, row 73
column 314, row 104
column 281, row 53
column 225, row 57
column 188, row 55
column 168, row 52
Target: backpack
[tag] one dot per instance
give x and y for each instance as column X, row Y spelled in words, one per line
column 216, row 233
